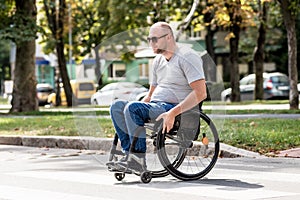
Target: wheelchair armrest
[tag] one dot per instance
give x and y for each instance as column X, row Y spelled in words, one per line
column 186, row 120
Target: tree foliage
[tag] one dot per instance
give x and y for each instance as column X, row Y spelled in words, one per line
column 16, row 25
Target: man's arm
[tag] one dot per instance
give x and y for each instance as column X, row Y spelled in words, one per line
column 197, row 95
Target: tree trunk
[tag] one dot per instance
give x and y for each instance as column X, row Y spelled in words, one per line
column 259, row 53
column 209, row 42
column 98, row 67
column 55, row 17
column 62, row 64
column 290, row 24
column 234, row 71
column 235, row 29
column 24, row 90
column 64, row 73
column 186, row 22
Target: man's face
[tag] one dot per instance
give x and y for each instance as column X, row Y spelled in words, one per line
column 158, row 39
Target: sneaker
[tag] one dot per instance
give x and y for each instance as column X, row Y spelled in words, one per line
column 133, row 164
column 111, row 164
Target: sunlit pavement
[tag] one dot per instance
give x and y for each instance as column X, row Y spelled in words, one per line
column 45, row 173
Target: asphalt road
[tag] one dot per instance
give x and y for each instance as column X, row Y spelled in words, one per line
column 43, row 173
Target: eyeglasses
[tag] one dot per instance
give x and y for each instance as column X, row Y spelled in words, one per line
column 155, row 39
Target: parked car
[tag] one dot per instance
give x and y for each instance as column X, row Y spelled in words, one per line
column 43, row 91
column 119, row 90
column 276, row 86
column 82, row 89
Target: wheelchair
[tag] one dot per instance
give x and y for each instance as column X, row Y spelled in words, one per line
column 188, row 151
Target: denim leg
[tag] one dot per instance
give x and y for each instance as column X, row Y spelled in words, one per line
column 136, row 114
column 118, row 119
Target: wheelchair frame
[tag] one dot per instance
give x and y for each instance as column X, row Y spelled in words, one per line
column 204, row 154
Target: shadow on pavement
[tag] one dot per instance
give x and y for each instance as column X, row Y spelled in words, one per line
column 227, row 184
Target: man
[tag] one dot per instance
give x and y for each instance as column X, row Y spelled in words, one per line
column 178, row 85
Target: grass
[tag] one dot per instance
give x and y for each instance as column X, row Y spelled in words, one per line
column 259, row 135
column 57, row 125
column 263, row 136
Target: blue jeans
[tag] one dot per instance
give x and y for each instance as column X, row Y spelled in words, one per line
column 129, row 117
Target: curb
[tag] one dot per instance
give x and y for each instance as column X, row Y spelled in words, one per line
column 103, row 144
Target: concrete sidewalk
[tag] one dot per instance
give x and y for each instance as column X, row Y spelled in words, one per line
column 101, row 144
column 292, row 153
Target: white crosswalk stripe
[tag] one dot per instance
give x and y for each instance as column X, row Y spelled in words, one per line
column 207, row 187
column 60, row 174
column 17, row 193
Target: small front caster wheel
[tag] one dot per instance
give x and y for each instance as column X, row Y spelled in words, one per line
column 146, row 177
column 119, row 176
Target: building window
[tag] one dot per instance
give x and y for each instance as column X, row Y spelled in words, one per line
column 117, row 71
column 144, row 70
column 197, row 32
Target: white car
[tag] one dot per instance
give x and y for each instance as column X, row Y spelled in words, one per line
column 120, row 90
column 276, row 86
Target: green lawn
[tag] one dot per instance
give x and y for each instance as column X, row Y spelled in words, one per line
column 59, row 125
column 259, row 135
column 262, row 135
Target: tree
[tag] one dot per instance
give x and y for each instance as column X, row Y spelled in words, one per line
column 95, row 22
column 18, row 24
column 186, row 22
column 290, row 9
column 211, row 30
column 93, row 17
column 258, row 59
column 234, row 28
column 233, row 16
column 56, row 19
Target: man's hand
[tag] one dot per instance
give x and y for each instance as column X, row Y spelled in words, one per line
column 168, row 121
column 146, row 99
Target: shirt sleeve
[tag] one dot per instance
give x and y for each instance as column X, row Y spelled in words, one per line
column 192, row 66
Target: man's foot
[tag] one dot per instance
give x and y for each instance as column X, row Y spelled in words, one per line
column 111, row 164
column 137, row 163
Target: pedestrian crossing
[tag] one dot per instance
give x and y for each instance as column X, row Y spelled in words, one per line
column 221, row 184
column 14, row 193
column 48, row 174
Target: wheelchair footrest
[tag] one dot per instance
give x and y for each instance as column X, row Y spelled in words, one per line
column 123, row 169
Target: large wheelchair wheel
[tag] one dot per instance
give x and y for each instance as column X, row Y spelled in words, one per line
column 154, row 164
column 198, row 153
